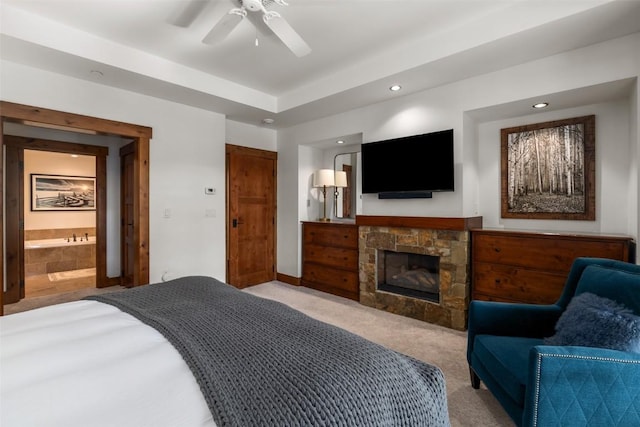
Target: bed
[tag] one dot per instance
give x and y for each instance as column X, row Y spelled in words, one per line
column 197, row 352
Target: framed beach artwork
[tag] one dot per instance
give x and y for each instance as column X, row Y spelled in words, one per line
column 62, row 193
column 548, row 170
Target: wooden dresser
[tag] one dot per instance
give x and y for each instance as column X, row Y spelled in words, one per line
column 330, row 258
column 529, row 267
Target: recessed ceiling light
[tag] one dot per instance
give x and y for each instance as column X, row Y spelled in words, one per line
column 395, row 88
column 541, row 105
column 75, row 156
column 340, row 141
column 96, row 73
column 267, row 121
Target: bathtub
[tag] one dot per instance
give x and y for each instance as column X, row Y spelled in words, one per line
column 59, row 242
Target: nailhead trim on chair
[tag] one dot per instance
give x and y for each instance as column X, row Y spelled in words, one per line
column 566, row 356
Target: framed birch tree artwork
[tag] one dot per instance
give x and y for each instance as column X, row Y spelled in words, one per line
column 548, row 170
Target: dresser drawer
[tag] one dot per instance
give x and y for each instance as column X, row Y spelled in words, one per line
column 335, row 236
column 548, row 252
column 330, row 258
column 508, row 283
column 334, row 278
column 530, row 267
column 346, row 259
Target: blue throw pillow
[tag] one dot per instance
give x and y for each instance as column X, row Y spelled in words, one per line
column 594, row 321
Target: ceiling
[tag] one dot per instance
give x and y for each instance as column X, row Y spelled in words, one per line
column 359, row 47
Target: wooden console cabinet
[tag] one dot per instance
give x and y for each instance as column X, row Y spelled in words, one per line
column 529, row 267
column 330, row 258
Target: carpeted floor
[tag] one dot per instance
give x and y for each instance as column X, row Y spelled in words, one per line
column 433, row 344
column 439, row 346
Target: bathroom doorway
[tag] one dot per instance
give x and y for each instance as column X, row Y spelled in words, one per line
column 59, row 222
column 51, row 221
column 12, row 258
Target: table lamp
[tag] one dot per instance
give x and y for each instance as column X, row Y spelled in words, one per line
column 324, row 178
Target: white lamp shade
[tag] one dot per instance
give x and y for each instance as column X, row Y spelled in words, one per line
column 324, row 177
column 341, row 179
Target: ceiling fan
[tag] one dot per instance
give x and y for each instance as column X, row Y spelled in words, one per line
column 272, row 19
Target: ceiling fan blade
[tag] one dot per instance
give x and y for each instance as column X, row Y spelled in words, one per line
column 191, row 11
column 224, row 26
column 287, row 34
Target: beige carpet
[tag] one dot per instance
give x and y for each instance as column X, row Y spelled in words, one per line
column 439, row 346
column 433, row 344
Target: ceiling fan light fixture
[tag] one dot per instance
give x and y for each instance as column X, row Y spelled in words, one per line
column 252, row 5
column 276, row 23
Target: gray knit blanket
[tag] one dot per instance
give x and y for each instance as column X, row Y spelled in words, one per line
column 261, row 363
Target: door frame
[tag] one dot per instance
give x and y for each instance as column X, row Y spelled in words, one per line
column 140, row 136
column 99, row 153
column 126, row 188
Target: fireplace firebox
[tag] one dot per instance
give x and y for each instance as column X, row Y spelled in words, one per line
column 409, row 274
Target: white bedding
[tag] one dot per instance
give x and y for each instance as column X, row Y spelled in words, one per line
column 86, row 363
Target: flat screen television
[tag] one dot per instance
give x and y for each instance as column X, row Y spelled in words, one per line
column 408, row 167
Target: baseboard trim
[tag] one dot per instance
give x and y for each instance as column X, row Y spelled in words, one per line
column 291, row 280
column 110, row 281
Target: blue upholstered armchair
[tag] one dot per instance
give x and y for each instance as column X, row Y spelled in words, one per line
column 539, row 384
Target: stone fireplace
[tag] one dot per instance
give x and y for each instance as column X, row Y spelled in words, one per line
column 430, row 254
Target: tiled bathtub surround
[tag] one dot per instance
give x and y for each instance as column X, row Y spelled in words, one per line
column 60, row 258
column 453, row 248
column 54, row 233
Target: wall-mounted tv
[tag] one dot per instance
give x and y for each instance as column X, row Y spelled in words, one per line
column 408, row 167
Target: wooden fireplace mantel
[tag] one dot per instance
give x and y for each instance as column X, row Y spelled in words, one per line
column 432, row 223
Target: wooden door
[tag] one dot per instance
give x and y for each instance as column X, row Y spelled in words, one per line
column 14, row 217
column 127, row 232
column 251, row 213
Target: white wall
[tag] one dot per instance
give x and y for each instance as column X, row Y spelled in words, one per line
column 634, row 170
column 613, row 166
column 476, row 109
column 186, row 155
column 187, row 149
column 292, row 199
column 246, row 135
column 47, row 163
